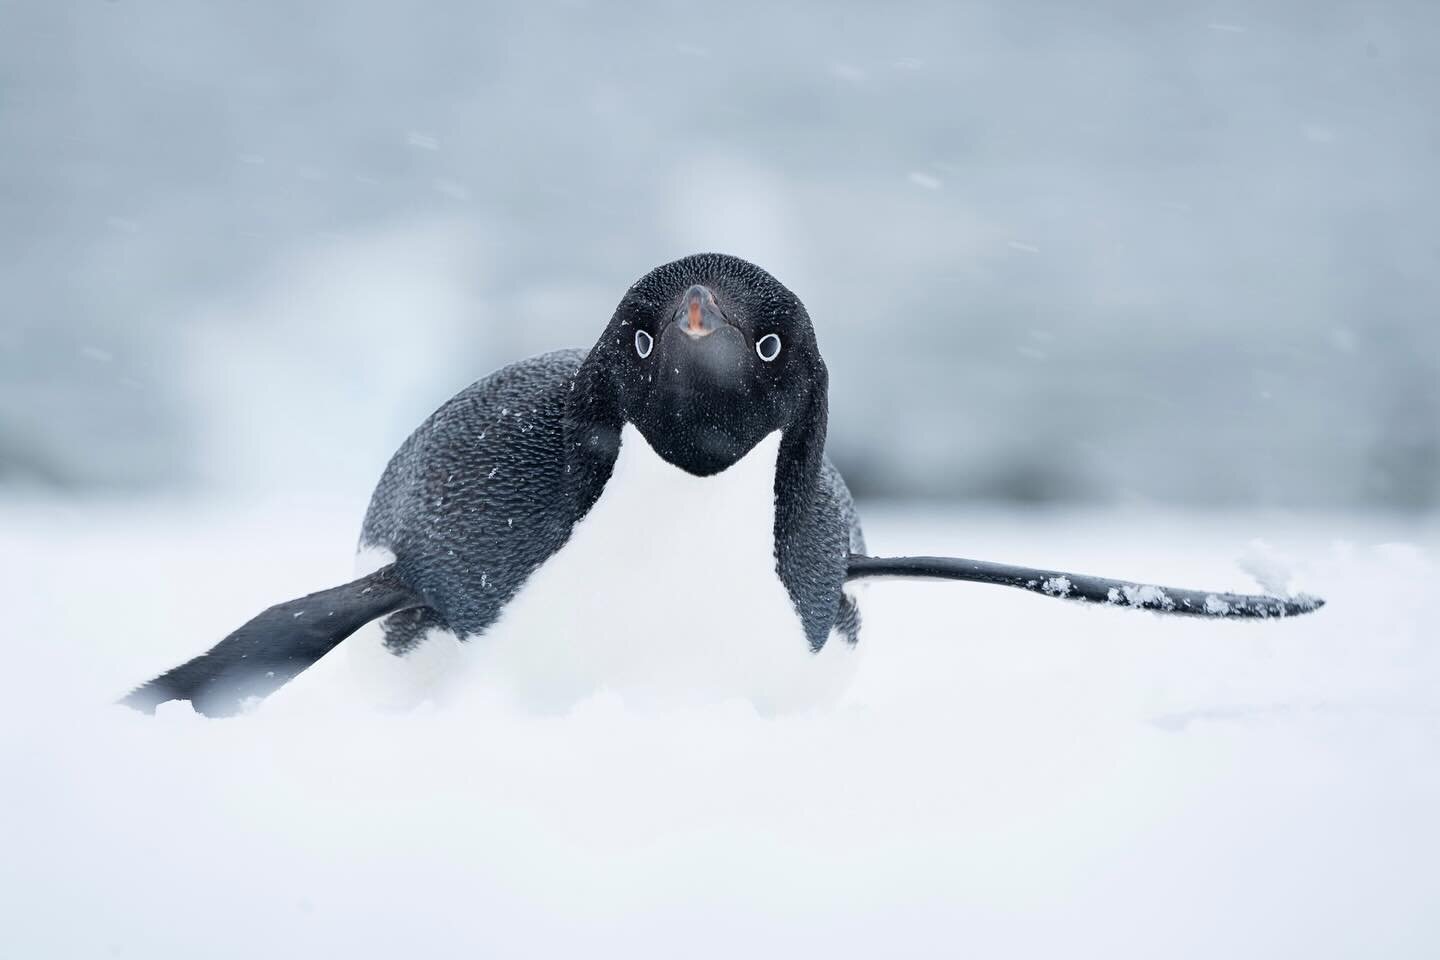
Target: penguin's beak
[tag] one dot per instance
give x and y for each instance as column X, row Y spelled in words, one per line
column 702, row 349
column 699, row 315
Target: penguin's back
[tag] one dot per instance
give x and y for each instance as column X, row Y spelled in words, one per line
column 474, row 500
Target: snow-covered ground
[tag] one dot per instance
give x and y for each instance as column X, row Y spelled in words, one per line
column 1006, row 776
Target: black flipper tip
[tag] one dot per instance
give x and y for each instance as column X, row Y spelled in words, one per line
column 145, row 698
column 1195, row 603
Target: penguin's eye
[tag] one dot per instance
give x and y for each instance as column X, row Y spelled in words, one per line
column 768, row 347
column 644, row 342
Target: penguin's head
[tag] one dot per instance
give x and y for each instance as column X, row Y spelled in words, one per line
column 708, row 355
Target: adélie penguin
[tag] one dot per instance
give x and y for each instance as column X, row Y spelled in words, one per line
column 666, row 491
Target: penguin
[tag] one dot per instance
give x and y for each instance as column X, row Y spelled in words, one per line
column 666, row 490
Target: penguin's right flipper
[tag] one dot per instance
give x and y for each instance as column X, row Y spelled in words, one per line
column 276, row 646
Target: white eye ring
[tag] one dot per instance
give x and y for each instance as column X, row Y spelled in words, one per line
column 644, row 343
column 767, row 348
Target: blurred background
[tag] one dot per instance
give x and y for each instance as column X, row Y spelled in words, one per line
column 1178, row 253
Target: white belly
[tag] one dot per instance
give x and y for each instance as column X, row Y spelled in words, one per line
column 666, row 591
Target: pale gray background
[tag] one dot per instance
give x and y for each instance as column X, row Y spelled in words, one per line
column 1173, row 252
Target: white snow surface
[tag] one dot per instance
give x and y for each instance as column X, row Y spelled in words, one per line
column 1007, row 774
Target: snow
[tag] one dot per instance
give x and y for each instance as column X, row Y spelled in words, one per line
column 1267, row 566
column 1057, row 586
column 1144, row 594
column 1216, row 605
column 1008, row 775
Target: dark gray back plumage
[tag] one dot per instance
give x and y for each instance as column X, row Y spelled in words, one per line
column 475, row 500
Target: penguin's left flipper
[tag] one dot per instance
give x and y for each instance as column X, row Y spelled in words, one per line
column 1075, row 586
column 276, row 646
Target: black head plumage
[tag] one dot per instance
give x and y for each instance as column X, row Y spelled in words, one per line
column 705, row 355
